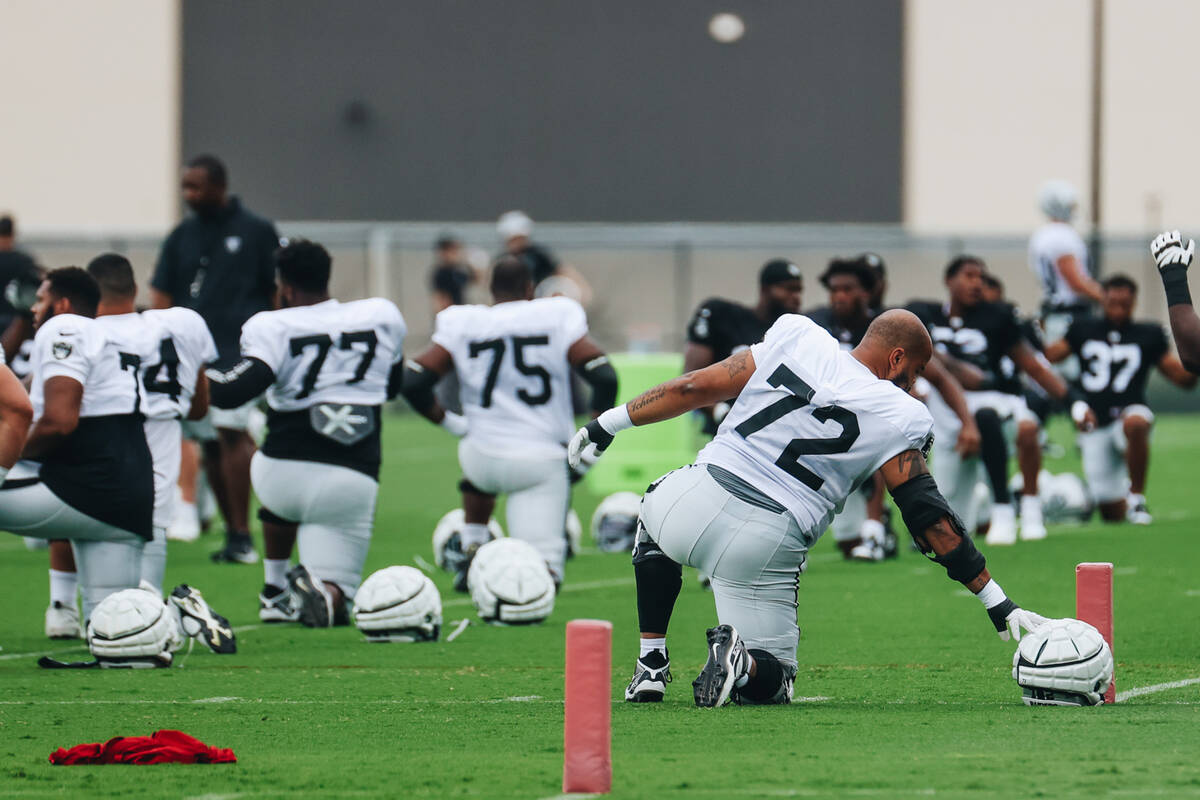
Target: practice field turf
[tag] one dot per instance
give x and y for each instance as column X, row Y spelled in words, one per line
column 904, row 689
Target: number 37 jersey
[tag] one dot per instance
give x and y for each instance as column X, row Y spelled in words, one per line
column 813, row 423
column 511, row 360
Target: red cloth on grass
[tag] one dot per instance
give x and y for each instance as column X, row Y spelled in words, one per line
column 161, row 747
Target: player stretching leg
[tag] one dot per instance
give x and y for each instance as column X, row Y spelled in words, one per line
column 513, row 361
column 327, row 368
column 811, row 422
column 1117, row 355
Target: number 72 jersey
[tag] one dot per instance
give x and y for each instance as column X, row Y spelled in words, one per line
column 330, row 352
column 813, row 423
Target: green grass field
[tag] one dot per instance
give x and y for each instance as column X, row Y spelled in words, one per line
column 904, row 688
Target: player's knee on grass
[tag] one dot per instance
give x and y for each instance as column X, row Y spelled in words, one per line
column 771, row 684
column 1135, row 426
column 659, row 580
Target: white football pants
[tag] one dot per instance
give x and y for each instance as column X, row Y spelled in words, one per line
column 538, row 492
column 1103, row 454
column 754, row 556
column 107, row 558
column 334, row 508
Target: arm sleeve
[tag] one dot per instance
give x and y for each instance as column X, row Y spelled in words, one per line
column 167, row 267
column 240, row 384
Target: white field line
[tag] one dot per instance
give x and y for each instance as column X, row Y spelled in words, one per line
column 459, row 627
column 261, row 701
column 40, row 653
column 1158, row 687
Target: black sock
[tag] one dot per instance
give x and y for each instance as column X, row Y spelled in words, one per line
column 994, row 452
column 764, row 686
column 658, row 582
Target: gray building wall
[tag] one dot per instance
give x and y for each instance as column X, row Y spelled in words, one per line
column 609, row 110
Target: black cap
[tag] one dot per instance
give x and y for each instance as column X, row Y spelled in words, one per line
column 778, row 270
column 856, row 266
column 875, row 262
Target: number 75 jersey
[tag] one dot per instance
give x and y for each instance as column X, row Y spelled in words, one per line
column 813, row 423
column 511, row 361
column 330, row 352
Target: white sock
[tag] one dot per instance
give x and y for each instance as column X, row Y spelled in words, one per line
column 1135, row 499
column 872, row 530
column 275, row 572
column 745, row 676
column 1031, row 509
column 62, row 587
column 649, row 646
column 473, row 535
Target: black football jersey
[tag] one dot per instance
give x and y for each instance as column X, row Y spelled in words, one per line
column 725, row 327
column 1115, row 361
column 848, row 336
column 982, row 337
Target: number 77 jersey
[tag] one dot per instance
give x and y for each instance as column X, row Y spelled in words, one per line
column 813, row 423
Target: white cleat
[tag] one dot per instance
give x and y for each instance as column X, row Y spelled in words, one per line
column 727, row 662
column 62, row 622
column 1136, row 511
column 1003, row 528
column 185, row 527
column 650, row 679
column 1033, row 527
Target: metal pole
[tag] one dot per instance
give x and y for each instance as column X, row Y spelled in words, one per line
column 1097, row 131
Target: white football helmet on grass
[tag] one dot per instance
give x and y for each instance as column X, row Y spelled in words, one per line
column 447, row 547
column 614, row 525
column 1065, row 662
column 510, row 583
column 398, row 604
column 133, row 628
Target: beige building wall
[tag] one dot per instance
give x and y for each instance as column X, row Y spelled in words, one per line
column 90, row 115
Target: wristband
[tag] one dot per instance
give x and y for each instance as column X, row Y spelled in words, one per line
column 615, row 420
column 991, row 595
column 1174, row 278
column 1079, row 410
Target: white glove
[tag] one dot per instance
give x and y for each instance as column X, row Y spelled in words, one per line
column 1168, row 250
column 1020, row 618
column 582, row 451
column 455, row 423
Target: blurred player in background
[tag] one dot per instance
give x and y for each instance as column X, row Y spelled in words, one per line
column 515, row 229
column 1031, row 332
column 1173, row 257
column 217, row 262
column 1059, row 259
column 451, row 273
column 720, row 328
column 1117, row 354
column 17, row 269
column 878, row 294
column 811, row 422
column 514, row 360
column 980, row 334
column 326, row 367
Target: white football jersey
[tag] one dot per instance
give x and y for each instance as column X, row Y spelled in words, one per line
column 174, row 345
column 813, row 423
column 330, row 352
column 1049, row 243
column 105, row 360
column 511, row 360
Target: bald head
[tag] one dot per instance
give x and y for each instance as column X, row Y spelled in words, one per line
column 896, row 347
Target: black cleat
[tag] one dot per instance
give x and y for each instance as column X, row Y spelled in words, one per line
column 727, row 661
column 198, row 619
column 238, row 549
column 315, row 604
column 651, row 675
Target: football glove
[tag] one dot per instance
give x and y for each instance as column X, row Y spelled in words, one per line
column 587, row 443
column 1009, row 620
column 1169, row 251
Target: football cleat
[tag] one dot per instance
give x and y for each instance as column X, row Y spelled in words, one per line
column 727, row 662
column 871, row 547
column 1003, row 528
column 185, row 527
column 238, row 549
column 314, row 603
column 1033, row 528
column 277, row 605
column 651, row 674
column 62, row 621
column 198, row 620
column 1137, row 513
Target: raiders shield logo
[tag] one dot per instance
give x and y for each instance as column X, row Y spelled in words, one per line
column 61, row 350
column 233, row 243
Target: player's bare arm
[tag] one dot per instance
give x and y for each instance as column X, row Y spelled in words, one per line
column 697, row 356
column 16, row 412
column 688, row 392
column 952, row 392
column 1025, row 358
column 1174, row 371
column 416, row 379
column 1077, row 278
column 60, row 417
column 941, row 536
column 1173, row 257
column 199, row 407
column 1056, row 352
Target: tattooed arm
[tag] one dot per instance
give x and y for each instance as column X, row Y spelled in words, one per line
column 693, row 390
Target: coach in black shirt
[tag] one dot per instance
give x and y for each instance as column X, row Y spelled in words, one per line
column 218, row 261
